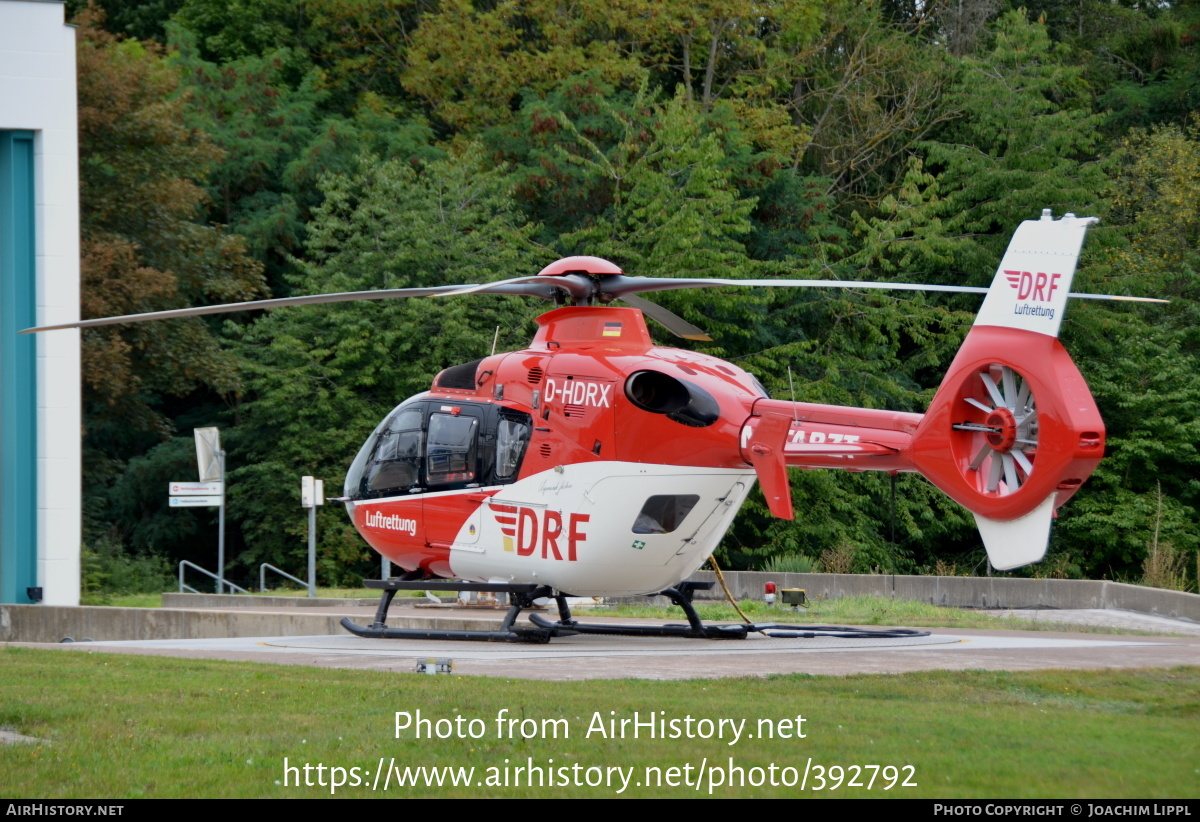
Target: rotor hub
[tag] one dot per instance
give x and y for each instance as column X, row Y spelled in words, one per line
column 999, row 445
column 1005, row 435
column 592, row 266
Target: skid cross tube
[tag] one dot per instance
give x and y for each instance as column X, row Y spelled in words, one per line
column 695, row 629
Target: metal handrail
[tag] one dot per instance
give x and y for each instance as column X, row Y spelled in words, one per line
column 207, row 573
column 262, row 577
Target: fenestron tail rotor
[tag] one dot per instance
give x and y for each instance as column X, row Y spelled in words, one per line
column 1003, row 428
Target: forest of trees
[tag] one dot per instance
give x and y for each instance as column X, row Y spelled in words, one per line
column 241, row 149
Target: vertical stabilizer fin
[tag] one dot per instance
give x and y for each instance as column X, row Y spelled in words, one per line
column 1020, row 541
column 1030, row 288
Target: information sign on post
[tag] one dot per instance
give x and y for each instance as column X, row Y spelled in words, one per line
column 208, row 454
column 312, row 492
column 195, row 489
column 195, row 502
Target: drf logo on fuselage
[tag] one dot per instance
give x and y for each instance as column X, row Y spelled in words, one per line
column 527, row 531
column 1038, row 287
column 579, row 392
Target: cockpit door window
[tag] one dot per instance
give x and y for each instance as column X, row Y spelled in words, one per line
column 512, row 436
column 452, row 449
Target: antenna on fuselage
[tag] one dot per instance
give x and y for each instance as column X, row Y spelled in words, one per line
column 792, row 389
column 495, row 340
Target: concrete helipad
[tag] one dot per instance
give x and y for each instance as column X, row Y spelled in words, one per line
column 593, row 657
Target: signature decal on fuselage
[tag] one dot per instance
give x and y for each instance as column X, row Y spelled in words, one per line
column 554, row 486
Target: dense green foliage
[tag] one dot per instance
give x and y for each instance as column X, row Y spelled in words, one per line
column 334, row 145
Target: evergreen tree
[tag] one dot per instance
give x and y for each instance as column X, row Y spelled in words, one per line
column 145, row 247
column 325, row 376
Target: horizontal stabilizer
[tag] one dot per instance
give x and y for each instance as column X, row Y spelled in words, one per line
column 1017, row 542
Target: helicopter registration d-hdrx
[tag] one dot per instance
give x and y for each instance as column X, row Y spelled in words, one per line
column 597, row 463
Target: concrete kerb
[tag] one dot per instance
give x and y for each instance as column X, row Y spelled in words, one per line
column 51, row 623
column 212, row 616
column 47, row 623
column 953, row 592
column 968, row 592
column 1173, row 604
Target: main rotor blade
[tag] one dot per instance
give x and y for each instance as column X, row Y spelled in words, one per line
column 577, row 286
column 668, row 319
column 619, row 286
column 536, row 290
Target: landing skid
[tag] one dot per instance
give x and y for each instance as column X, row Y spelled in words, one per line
column 680, row 595
column 523, row 596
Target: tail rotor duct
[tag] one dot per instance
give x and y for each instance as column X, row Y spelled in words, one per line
column 1001, row 426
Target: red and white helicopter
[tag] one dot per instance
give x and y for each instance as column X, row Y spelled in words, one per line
column 595, row 463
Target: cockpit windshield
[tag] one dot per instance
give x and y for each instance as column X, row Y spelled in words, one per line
column 424, row 445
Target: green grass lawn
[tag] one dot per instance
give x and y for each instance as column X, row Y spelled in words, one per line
column 126, row 726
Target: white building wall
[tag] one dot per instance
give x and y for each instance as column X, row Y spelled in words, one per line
column 37, row 93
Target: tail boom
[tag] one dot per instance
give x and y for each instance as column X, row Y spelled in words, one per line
column 781, row 435
column 831, row 436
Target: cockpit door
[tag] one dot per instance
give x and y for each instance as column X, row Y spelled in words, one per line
column 453, row 475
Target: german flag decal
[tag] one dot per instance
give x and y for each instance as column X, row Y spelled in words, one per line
column 612, row 330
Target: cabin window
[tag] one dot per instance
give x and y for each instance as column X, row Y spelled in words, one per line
column 452, row 444
column 663, row 513
column 511, row 438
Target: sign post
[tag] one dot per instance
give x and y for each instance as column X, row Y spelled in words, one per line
column 210, row 460
column 312, row 494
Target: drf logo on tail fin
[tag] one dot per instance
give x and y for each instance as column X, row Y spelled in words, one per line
column 1038, row 287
